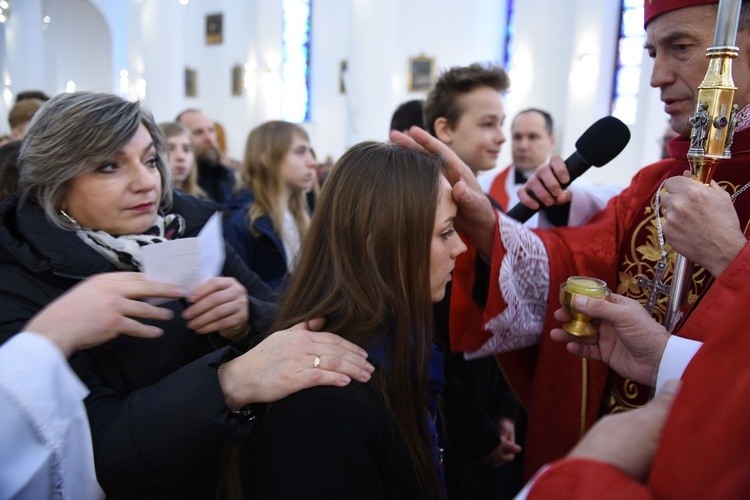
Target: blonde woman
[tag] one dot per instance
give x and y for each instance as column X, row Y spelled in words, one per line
column 270, row 215
column 182, row 159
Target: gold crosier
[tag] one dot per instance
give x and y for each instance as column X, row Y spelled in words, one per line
column 712, row 130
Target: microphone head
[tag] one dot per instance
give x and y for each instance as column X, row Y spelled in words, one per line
column 603, row 140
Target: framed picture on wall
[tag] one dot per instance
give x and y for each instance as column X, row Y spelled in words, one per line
column 237, row 80
column 214, row 29
column 191, row 83
column 421, row 73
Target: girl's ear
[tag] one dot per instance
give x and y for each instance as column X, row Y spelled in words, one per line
column 264, row 158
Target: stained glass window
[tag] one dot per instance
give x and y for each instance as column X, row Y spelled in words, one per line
column 295, row 68
column 510, row 27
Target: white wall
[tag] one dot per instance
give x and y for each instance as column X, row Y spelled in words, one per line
column 563, row 58
column 115, row 14
column 376, row 38
column 330, row 109
column 78, row 47
column 563, row 62
column 23, row 61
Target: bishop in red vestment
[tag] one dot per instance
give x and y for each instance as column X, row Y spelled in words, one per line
column 564, row 395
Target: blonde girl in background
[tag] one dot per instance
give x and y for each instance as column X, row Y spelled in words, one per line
column 270, row 215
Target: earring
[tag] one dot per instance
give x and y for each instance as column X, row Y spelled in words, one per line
column 69, row 218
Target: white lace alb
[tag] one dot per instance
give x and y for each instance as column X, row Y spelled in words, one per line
column 524, row 284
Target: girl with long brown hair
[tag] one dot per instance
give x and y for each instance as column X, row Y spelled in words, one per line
column 379, row 252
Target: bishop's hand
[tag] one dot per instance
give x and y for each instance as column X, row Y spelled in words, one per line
column 475, row 218
column 629, row 440
column 630, row 341
column 700, row 222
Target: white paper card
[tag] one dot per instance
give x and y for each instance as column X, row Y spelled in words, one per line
column 187, row 262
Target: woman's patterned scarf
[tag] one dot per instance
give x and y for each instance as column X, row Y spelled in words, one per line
column 124, row 251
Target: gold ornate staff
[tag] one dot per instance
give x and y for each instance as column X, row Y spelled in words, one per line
column 712, row 130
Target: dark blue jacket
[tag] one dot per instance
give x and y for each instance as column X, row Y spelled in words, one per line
column 263, row 254
column 217, row 181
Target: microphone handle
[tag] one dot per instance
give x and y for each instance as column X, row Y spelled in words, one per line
column 576, row 164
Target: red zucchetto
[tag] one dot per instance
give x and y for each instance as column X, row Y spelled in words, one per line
column 653, row 8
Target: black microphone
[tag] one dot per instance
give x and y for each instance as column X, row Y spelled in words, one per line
column 601, row 142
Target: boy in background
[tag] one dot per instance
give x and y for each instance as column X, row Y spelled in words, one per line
column 465, row 111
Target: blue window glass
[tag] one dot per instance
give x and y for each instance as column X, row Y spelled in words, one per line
column 295, row 68
column 509, row 32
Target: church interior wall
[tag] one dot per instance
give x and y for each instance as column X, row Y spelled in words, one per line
column 563, row 59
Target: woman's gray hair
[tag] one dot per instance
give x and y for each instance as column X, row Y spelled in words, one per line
column 76, row 133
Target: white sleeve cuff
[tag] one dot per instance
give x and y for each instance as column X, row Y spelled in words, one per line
column 677, row 355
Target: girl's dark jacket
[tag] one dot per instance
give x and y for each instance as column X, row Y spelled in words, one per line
column 263, row 253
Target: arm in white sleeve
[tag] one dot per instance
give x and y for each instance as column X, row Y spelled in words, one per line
column 45, row 441
column 677, row 355
column 524, row 284
column 588, row 200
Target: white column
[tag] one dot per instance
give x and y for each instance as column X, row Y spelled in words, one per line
column 162, row 29
column 329, row 47
column 540, row 62
column 270, row 58
column 371, row 68
column 24, row 41
column 115, row 14
column 591, row 61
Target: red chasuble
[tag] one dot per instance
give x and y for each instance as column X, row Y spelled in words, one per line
column 563, row 394
column 704, row 448
column 497, row 189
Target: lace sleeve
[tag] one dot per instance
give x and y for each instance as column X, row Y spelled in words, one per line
column 524, row 284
